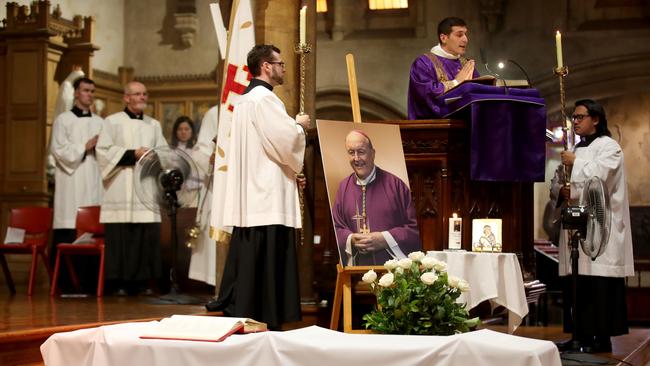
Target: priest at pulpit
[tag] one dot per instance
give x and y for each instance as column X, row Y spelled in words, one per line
column 437, row 71
column 373, row 212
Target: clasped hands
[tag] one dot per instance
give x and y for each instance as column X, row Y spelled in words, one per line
column 467, row 72
column 370, row 242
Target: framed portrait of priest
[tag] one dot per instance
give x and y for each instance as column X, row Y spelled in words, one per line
column 368, row 189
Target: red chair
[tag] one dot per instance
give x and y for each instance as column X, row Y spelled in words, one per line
column 37, row 222
column 87, row 222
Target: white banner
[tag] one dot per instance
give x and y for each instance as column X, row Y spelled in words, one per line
column 236, row 78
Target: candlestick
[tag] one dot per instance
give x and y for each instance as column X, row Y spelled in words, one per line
column 558, row 48
column 302, row 49
column 303, row 25
column 561, row 73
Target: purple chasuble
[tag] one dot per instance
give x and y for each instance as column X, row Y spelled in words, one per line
column 389, row 207
column 424, row 85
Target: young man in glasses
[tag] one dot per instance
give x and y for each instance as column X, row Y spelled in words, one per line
column 601, row 309
column 264, row 159
column 439, row 70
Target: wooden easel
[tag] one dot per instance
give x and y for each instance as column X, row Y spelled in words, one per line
column 343, row 293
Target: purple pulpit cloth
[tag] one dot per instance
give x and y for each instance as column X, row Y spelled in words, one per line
column 507, row 127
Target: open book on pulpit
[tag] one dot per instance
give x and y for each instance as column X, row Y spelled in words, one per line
column 483, row 80
column 202, row 328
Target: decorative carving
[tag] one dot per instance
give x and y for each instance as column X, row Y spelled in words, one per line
column 424, row 186
column 492, row 14
column 182, row 77
column 186, row 24
column 424, row 146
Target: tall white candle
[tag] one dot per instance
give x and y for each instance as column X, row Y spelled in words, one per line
column 303, row 25
column 558, row 48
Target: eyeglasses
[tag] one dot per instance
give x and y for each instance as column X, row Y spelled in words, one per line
column 281, row 63
column 579, row 117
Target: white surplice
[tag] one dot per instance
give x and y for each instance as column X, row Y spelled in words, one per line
column 78, row 182
column 603, row 158
column 122, row 133
column 266, row 153
column 204, row 251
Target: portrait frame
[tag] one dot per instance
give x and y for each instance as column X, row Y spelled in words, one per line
column 487, row 235
column 389, row 154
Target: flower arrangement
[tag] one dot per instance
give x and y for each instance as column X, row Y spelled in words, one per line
column 417, row 296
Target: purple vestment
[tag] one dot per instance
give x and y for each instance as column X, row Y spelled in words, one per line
column 389, row 207
column 424, row 85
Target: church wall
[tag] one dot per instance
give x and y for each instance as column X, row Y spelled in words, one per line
column 151, row 22
column 109, row 27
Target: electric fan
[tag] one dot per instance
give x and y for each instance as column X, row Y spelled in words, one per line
column 588, row 226
column 163, row 182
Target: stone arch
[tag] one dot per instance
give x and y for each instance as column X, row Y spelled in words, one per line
column 334, row 104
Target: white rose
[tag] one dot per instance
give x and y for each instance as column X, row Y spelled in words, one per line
column 405, row 263
column 463, row 286
column 429, row 262
column 386, row 280
column 416, row 256
column 453, row 281
column 390, row 264
column 440, row 266
column 428, row 278
column 399, row 270
column 369, row 277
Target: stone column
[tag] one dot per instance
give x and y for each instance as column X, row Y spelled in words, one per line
column 276, row 22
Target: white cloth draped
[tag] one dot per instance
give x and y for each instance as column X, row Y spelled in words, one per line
column 120, row 345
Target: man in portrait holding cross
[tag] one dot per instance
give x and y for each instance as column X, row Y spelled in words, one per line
column 373, row 212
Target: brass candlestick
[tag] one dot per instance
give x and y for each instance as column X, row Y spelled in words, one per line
column 561, row 73
column 302, row 49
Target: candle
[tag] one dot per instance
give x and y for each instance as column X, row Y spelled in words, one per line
column 558, row 48
column 455, row 232
column 303, row 25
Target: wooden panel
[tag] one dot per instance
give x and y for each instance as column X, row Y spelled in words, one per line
column 24, row 154
column 25, row 85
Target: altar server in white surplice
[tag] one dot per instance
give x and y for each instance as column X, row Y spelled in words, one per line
column 77, row 178
column 267, row 146
column 204, row 251
column 132, row 230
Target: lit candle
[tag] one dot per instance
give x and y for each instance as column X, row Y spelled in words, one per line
column 558, row 48
column 303, row 25
column 455, row 232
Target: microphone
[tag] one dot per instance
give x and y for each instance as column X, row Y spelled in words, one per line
column 530, row 85
column 487, row 67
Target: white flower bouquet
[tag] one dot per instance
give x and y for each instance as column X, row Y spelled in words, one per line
column 417, row 296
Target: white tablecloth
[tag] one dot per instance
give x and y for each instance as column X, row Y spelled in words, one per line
column 492, row 276
column 120, row 345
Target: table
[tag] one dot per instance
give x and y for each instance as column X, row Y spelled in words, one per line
column 491, row 276
column 120, row 345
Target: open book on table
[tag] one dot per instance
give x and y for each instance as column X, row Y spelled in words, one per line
column 202, row 328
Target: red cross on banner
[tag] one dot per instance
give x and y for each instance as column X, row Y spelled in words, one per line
column 231, row 85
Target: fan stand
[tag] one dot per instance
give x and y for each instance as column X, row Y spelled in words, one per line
column 574, row 355
column 175, row 296
column 575, row 254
